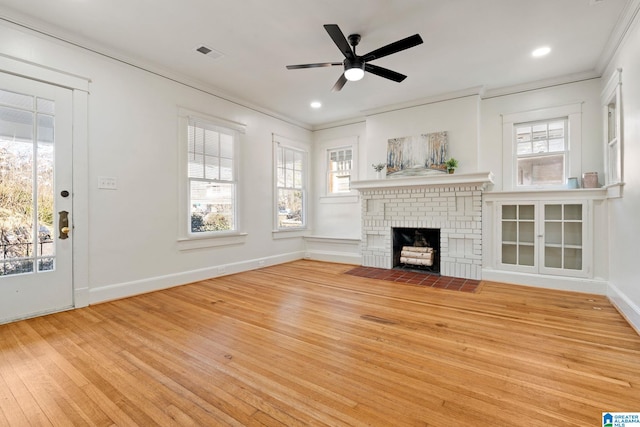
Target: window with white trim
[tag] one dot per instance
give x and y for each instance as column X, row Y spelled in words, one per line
column 211, row 174
column 339, row 169
column 613, row 129
column 541, row 152
column 291, row 178
column 542, row 147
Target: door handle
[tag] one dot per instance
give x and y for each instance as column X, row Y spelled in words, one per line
column 63, row 224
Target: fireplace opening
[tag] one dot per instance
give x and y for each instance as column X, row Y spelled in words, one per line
column 417, row 249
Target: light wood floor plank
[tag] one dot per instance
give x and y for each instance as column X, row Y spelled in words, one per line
column 305, row 344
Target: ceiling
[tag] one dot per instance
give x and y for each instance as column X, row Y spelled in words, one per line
column 467, row 44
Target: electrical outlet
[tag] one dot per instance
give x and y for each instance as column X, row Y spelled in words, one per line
column 107, row 183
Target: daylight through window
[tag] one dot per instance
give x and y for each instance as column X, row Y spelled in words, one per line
column 290, row 187
column 541, row 149
column 211, row 174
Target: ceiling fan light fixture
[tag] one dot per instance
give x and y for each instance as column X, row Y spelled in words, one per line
column 354, row 71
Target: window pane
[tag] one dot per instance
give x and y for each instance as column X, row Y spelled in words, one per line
column 290, row 208
column 226, row 146
column 556, row 129
column 541, row 170
column 556, row 145
column 540, row 146
column 17, row 100
column 280, row 177
column 212, row 206
column 297, row 161
column 339, row 183
column 211, row 143
column 196, row 169
column 523, row 134
column 226, row 169
column 46, row 106
column 539, row 132
column 297, row 179
column 198, row 140
column 524, row 148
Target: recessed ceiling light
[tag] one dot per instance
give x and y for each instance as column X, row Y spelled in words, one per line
column 316, row 104
column 541, row 51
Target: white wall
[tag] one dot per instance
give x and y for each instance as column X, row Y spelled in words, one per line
column 459, row 117
column 624, row 213
column 133, row 136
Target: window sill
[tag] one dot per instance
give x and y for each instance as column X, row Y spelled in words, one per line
column 209, row 241
column 614, row 191
column 289, row 234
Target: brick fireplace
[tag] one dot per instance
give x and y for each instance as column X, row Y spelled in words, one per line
column 450, row 203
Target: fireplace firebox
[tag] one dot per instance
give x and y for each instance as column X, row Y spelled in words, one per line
column 416, row 249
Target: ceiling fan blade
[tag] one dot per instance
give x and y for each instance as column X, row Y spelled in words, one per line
column 316, row 65
column 394, row 47
column 340, row 40
column 384, row 72
column 339, row 84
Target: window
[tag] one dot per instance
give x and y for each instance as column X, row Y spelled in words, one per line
column 613, row 129
column 339, row 167
column 291, row 176
column 541, row 149
column 212, row 177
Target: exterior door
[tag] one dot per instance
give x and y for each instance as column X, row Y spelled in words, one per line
column 35, row 198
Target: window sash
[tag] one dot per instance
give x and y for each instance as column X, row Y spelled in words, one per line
column 211, row 178
column 291, row 164
column 339, row 170
column 541, row 149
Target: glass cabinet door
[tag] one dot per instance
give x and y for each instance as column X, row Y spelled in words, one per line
column 563, row 237
column 518, row 231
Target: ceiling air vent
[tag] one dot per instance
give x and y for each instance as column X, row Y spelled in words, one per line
column 208, row 52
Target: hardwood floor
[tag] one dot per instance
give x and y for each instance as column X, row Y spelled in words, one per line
column 304, row 344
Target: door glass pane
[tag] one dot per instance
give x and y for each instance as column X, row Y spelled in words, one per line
column 26, row 184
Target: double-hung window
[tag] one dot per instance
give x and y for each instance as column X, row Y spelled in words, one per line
column 212, row 177
column 291, row 177
column 339, row 170
column 541, row 151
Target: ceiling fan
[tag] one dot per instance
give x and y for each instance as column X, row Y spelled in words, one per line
column 355, row 65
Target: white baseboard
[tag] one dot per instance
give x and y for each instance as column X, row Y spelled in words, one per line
column 591, row 286
column 333, row 249
column 338, row 257
column 629, row 310
column 127, row 289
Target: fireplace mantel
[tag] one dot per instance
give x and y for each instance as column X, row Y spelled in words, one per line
column 467, row 179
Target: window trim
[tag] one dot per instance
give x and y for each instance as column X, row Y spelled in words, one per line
column 612, row 94
column 573, row 167
column 282, row 142
column 186, row 239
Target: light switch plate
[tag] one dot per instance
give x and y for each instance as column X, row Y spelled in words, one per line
column 107, row 183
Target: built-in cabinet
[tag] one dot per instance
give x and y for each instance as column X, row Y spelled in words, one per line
column 543, row 237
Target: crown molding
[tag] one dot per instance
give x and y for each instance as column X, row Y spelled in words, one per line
column 627, row 18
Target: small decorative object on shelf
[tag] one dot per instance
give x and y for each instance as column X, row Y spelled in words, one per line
column 378, row 168
column 451, row 164
column 590, row 180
